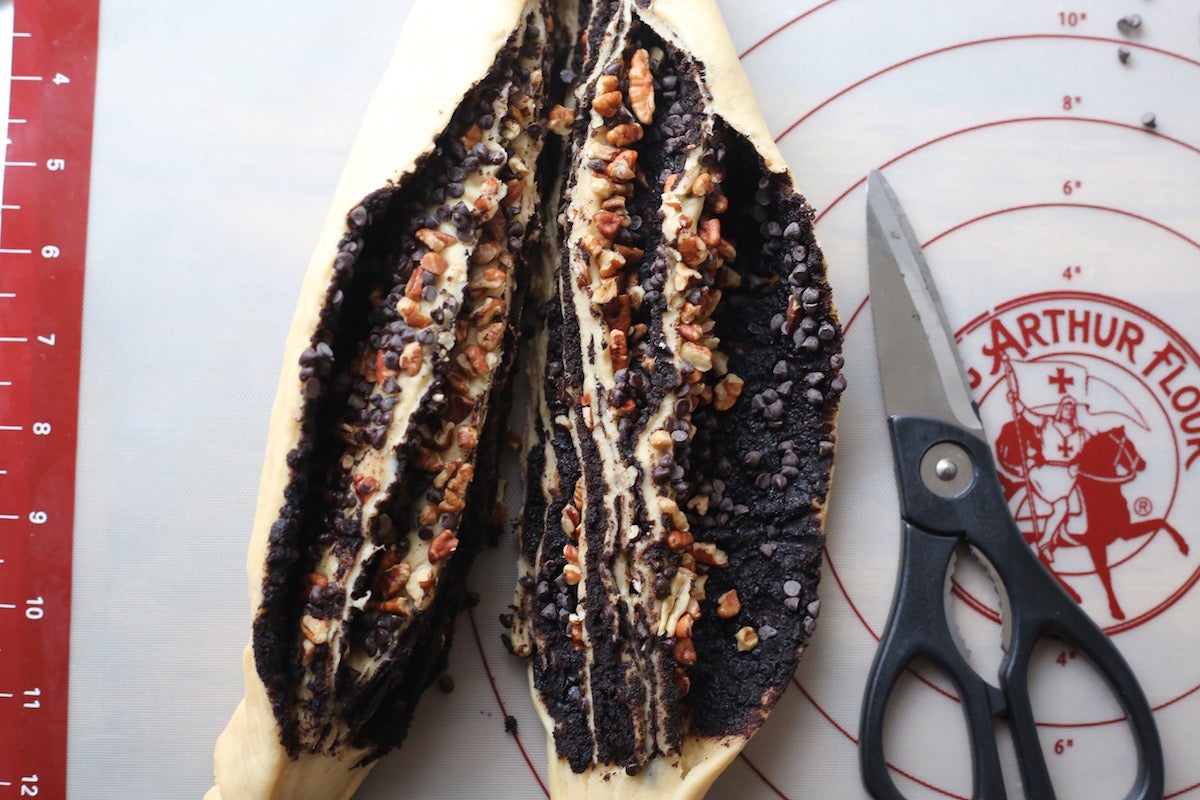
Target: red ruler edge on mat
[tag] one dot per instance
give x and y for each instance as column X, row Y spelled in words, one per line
column 42, row 256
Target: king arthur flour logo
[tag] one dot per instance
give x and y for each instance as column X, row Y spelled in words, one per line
column 1093, row 410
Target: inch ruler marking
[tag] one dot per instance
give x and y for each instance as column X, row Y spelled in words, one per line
column 43, row 237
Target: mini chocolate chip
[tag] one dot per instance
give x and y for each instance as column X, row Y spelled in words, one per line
column 766, row 632
column 814, row 397
column 779, row 482
column 791, row 588
column 792, row 603
column 792, row 231
column 751, row 459
column 763, row 480
column 837, row 361
column 790, row 459
column 784, row 388
column 446, row 682
column 824, row 449
column 838, row 384
column 358, row 216
column 768, row 549
column 1129, row 23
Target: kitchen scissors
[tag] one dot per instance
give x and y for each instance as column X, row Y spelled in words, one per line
column 949, row 495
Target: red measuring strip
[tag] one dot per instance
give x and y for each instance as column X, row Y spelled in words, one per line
column 43, row 233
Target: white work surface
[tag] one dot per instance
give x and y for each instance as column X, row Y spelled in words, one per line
column 1011, row 132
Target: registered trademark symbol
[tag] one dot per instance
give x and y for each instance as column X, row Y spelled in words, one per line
column 1142, row 506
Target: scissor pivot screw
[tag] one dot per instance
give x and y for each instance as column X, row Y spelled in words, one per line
column 947, row 470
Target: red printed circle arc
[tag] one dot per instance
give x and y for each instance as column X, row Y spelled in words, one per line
column 937, row 140
column 862, row 304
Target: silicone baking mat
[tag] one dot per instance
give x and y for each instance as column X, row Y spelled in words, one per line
column 1048, row 157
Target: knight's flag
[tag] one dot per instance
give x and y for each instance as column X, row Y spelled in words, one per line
column 1043, row 384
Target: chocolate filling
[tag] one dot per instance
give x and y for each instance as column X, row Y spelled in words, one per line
column 682, row 440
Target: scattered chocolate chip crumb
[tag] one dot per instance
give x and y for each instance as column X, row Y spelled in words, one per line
column 445, row 682
column 1149, row 120
column 510, row 724
column 1123, row 54
column 1129, row 23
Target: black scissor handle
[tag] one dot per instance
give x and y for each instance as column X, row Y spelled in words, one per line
column 918, row 630
column 1047, row 611
column 1037, row 607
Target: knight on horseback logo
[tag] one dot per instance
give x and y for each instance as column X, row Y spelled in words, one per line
column 1094, row 404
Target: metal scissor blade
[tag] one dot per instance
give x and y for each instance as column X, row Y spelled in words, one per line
column 918, row 359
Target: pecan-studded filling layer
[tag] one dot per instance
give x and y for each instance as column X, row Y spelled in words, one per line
column 682, row 436
column 405, row 384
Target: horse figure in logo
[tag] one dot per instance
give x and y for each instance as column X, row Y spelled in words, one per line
column 1104, row 463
